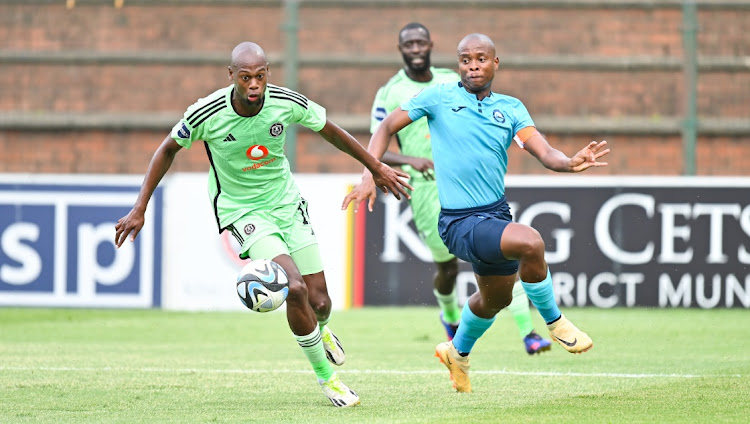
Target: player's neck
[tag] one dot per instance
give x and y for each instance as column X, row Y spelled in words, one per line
column 419, row 76
column 480, row 94
column 247, row 110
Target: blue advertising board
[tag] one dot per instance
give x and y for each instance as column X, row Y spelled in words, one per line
column 57, row 244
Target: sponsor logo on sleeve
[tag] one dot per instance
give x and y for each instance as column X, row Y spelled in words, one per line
column 183, row 132
column 380, row 114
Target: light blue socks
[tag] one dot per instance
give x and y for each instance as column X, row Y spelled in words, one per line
column 471, row 328
column 543, row 298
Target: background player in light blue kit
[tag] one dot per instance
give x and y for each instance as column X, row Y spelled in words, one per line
column 471, row 130
column 415, row 156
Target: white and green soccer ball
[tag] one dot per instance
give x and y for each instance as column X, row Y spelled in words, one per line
column 262, row 285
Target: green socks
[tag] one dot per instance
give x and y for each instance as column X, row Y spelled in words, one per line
column 449, row 305
column 519, row 308
column 323, row 323
column 312, row 345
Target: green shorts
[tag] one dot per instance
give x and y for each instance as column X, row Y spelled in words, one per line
column 266, row 234
column 425, row 206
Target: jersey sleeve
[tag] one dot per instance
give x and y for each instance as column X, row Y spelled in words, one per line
column 523, row 125
column 423, row 103
column 379, row 110
column 312, row 115
column 184, row 133
column 521, row 117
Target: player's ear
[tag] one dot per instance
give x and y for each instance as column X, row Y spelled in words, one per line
column 229, row 68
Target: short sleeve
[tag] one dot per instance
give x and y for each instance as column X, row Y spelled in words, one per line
column 379, row 110
column 521, row 116
column 313, row 116
column 423, row 103
column 183, row 133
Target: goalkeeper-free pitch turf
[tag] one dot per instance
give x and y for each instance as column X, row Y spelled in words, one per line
column 647, row 365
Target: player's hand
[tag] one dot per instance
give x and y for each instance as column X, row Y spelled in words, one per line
column 129, row 225
column 588, row 156
column 365, row 190
column 425, row 166
column 390, row 180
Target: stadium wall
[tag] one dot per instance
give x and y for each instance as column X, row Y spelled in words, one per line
column 93, row 88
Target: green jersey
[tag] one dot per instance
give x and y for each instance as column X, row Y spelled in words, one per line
column 414, row 139
column 248, row 169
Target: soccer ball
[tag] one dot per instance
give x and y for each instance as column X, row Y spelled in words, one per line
column 262, row 285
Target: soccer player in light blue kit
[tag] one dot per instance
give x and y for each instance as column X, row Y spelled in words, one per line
column 472, row 129
column 415, row 46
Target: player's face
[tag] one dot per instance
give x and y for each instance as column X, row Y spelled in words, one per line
column 415, row 47
column 477, row 64
column 250, row 82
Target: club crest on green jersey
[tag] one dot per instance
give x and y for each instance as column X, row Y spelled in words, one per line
column 276, row 129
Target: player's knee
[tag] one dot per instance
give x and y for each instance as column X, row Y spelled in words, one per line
column 297, row 292
column 320, row 303
column 532, row 245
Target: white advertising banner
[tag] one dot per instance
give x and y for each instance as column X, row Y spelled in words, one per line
column 201, row 266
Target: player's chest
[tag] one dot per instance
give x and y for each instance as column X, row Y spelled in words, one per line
column 473, row 113
column 476, row 111
column 241, row 134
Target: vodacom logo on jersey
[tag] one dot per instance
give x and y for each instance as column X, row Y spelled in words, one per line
column 257, row 152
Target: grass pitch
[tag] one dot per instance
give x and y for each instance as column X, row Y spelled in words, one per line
column 114, row 366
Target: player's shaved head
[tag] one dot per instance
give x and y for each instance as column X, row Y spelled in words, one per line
column 477, row 40
column 248, row 53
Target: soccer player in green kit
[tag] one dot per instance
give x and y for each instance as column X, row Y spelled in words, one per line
column 254, row 196
column 415, row 46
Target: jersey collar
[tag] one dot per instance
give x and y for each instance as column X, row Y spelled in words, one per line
column 472, row 96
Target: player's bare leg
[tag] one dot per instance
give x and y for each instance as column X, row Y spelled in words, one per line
column 304, row 325
column 445, row 292
column 494, row 294
column 320, row 302
column 525, row 244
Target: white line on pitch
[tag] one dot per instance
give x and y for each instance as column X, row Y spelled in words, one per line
column 393, row 372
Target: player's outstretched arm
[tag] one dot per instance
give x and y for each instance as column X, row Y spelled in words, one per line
column 131, row 224
column 423, row 165
column 392, row 123
column 385, row 177
column 556, row 160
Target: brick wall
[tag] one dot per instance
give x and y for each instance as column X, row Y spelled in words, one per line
column 43, row 88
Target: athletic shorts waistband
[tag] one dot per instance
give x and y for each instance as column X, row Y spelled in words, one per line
column 484, row 208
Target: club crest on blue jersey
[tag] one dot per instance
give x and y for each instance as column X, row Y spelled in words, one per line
column 380, row 113
column 499, row 117
column 183, row 132
column 276, row 129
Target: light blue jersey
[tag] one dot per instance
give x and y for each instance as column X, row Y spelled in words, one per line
column 470, row 141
